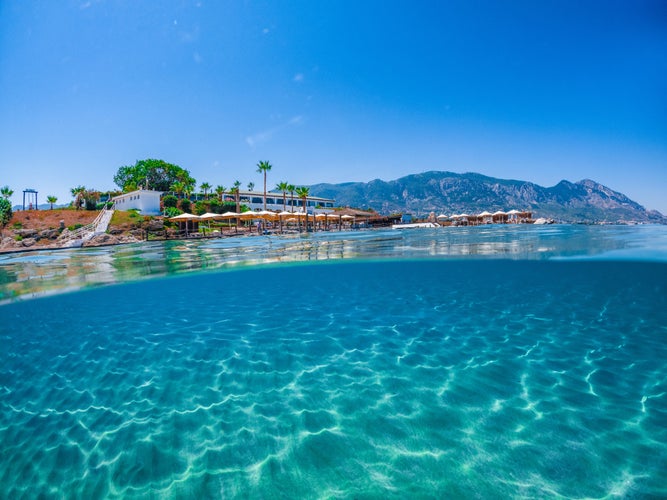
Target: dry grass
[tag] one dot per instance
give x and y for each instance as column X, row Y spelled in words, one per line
column 50, row 219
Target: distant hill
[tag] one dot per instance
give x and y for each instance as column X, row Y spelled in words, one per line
column 448, row 192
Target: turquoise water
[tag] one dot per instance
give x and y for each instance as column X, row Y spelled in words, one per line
column 525, row 363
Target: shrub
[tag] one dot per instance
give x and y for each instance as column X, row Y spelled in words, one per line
column 17, row 225
column 169, row 201
column 200, row 208
column 5, row 212
column 172, row 212
column 74, row 227
column 186, row 205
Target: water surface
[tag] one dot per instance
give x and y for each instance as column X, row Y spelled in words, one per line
column 368, row 365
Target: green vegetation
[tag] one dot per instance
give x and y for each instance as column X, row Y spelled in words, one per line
column 6, row 192
column 51, row 200
column 169, row 201
column 153, row 174
column 264, row 167
column 284, row 187
column 186, row 205
column 5, row 211
column 172, row 212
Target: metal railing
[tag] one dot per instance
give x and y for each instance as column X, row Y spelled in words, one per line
column 89, row 230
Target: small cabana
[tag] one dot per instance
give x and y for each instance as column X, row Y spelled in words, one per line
column 499, row 217
column 188, row 223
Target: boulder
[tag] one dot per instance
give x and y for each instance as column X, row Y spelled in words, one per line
column 155, row 225
column 101, row 239
column 28, row 242
column 26, row 233
column 50, row 234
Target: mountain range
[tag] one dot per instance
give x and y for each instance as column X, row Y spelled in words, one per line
column 585, row 201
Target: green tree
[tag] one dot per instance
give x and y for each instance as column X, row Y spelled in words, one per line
column 205, row 186
column 178, row 188
column 6, row 192
column 264, row 167
column 78, row 193
column 169, row 201
column 291, row 188
column 5, row 211
column 237, row 196
column 90, row 199
column 303, row 192
column 151, row 174
column 251, row 186
column 186, row 205
column 283, row 186
column 51, row 200
column 220, row 191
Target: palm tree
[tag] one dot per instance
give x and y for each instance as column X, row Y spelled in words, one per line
column 264, row 167
column 51, row 199
column 251, row 186
column 188, row 189
column 237, row 195
column 283, row 186
column 78, row 193
column 178, row 187
column 303, row 192
column 220, row 191
column 291, row 188
column 205, row 186
column 6, row 193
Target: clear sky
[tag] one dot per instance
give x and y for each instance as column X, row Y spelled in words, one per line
column 334, row 91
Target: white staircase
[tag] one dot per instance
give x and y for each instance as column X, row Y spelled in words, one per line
column 77, row 237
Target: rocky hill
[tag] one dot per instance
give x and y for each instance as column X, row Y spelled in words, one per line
column 448, row 192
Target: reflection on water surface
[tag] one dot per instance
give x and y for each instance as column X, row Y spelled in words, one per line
column 36, row 273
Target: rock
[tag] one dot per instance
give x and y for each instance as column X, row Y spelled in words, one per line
column 28, row 242
column 155, row 225
column 101, row 239
column 26, row 233
column 50, row 234
column 65, row 234
column 7, row 242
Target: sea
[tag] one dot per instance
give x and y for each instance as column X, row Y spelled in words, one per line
column 480, row 362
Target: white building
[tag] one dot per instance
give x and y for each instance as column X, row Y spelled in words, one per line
column 147, row 202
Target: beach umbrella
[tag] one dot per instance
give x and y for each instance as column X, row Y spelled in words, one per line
column 485, row 214
column 210, row 216
column 229, row 215
column 266, row 214
column 185, row 218
column 442, row 216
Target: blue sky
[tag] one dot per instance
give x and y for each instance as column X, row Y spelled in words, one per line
column 334, row 91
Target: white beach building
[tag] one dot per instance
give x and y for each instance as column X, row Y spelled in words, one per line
column 146, row 201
